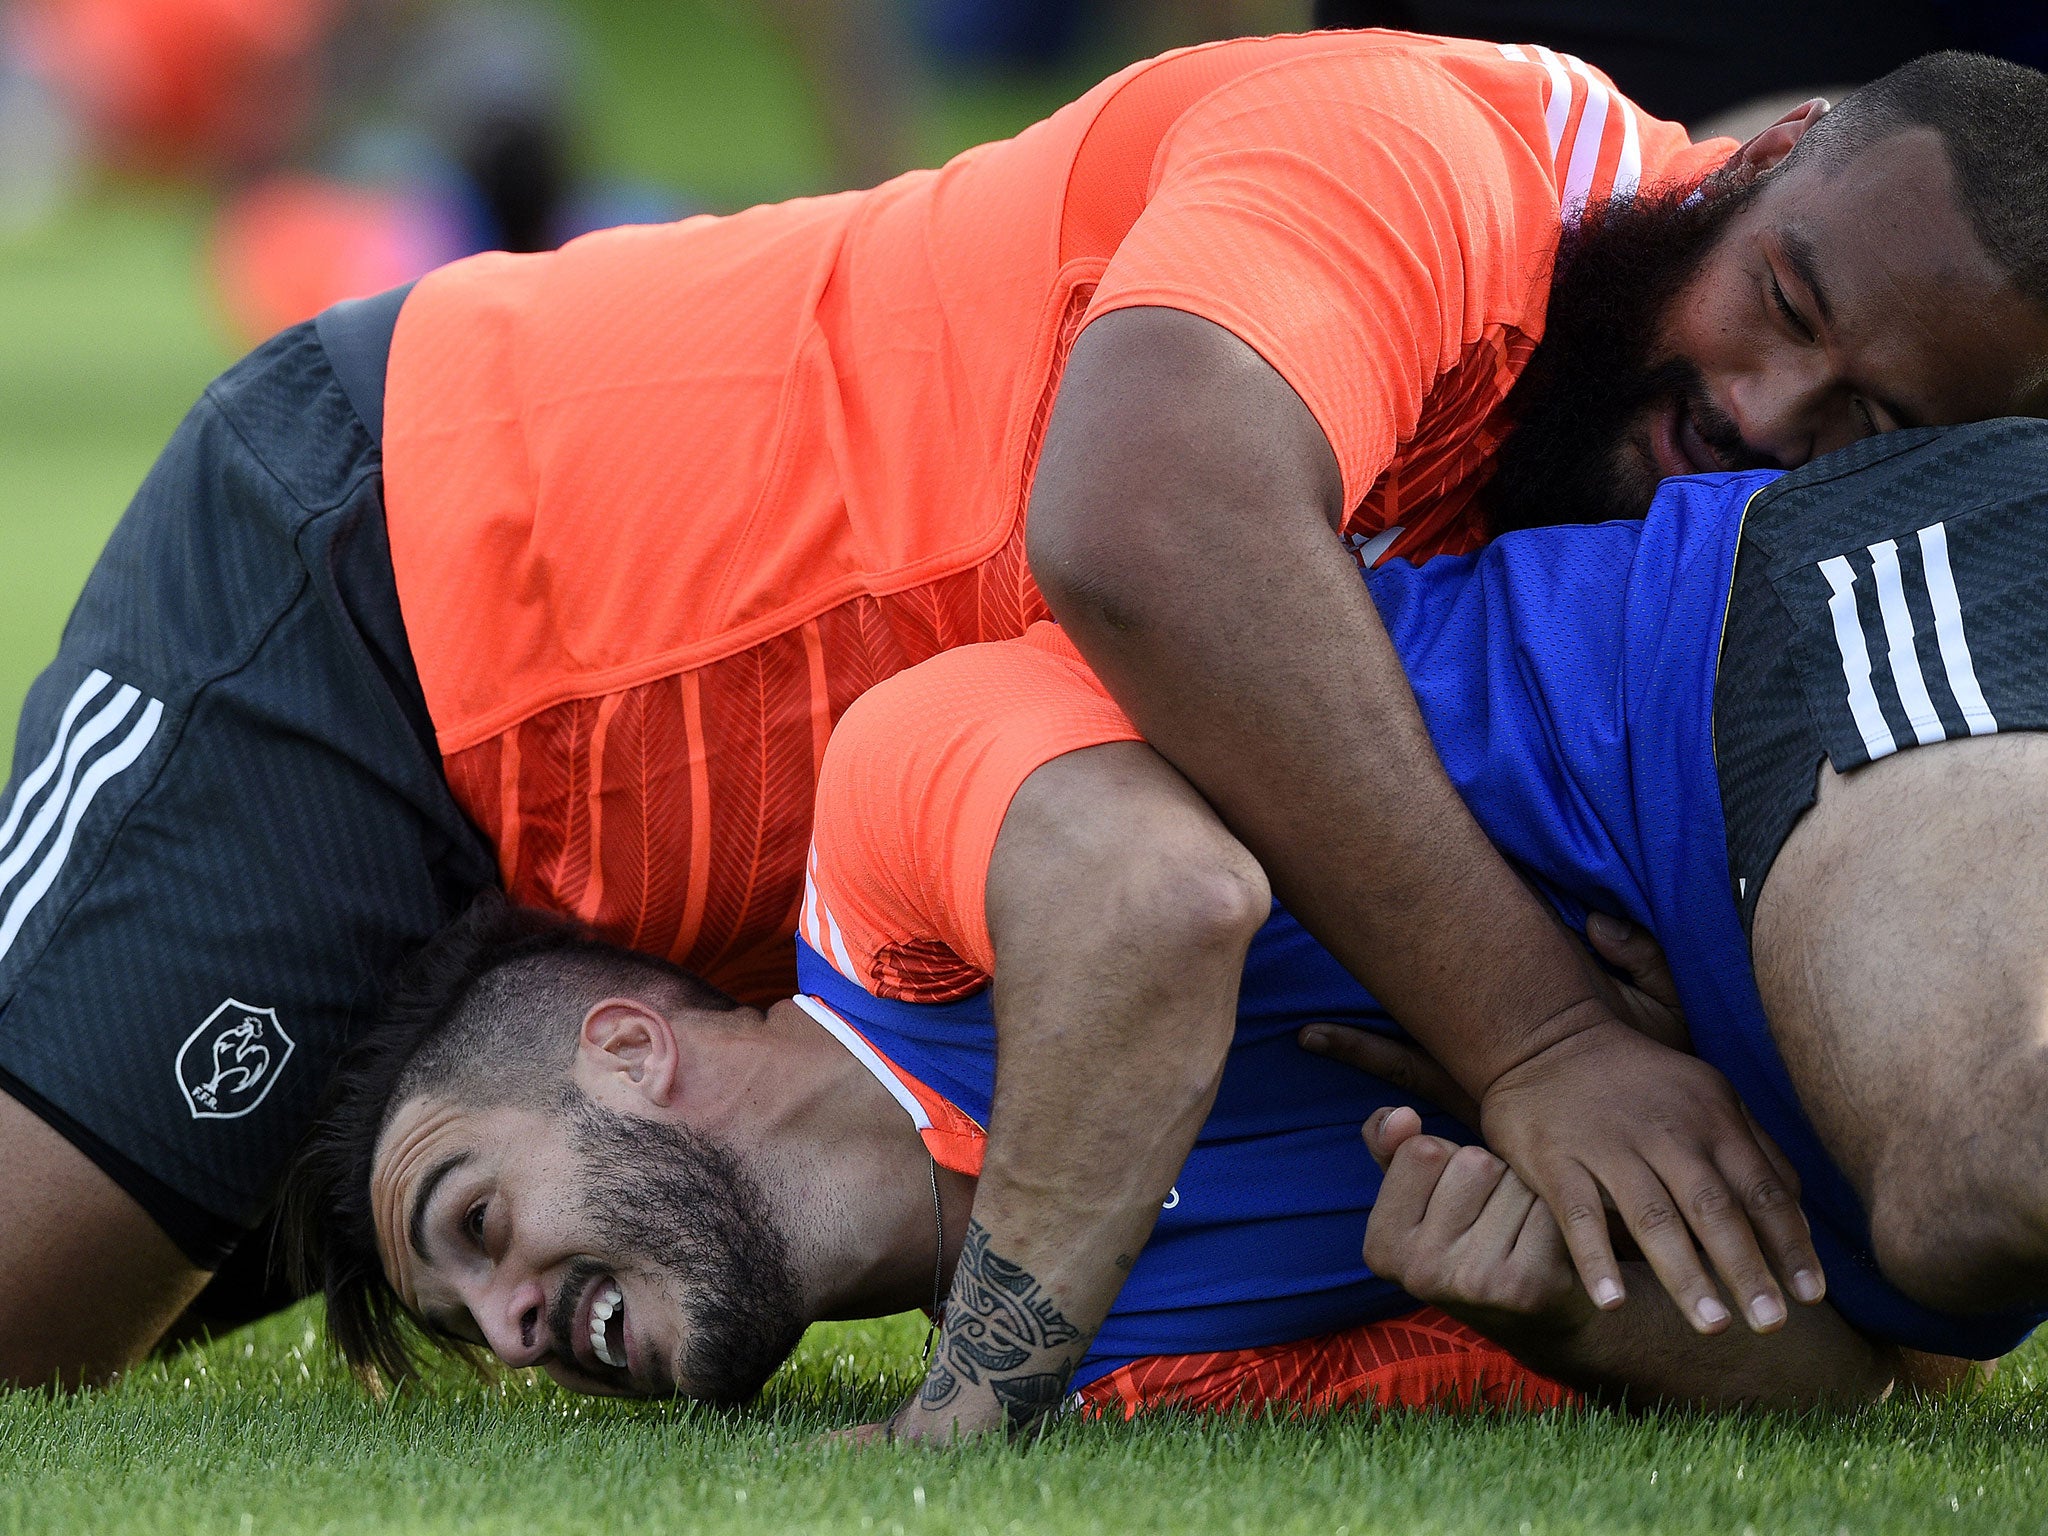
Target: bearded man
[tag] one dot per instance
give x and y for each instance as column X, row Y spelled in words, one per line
column 1791, row 723
column 574, row 604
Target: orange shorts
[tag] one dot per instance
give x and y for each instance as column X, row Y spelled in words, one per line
column 1426, row 1359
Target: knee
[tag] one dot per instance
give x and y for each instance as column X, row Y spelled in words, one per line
column 1954, row 1248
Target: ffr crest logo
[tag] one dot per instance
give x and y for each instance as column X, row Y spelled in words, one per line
column 227, row 1064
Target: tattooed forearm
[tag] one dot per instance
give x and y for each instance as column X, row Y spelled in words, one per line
column 1002, row 1331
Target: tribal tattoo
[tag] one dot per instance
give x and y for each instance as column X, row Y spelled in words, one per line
column 1000, row 1324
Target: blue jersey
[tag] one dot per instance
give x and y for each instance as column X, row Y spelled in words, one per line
column 1567, row 678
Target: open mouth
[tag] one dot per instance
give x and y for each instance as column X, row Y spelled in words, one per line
column 608, row 1324
column 598, row 1336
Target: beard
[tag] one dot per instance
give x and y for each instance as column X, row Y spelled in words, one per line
column 1594, row 378
column 681, row 1205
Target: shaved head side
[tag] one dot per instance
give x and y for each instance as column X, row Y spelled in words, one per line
column 1901, row 947
column 1992, row 116
column 494, row 1003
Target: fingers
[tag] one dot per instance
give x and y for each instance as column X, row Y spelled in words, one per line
column 1574, row 1200
column 1744, row 1218
column 1501, row 1223
column 1408, row 1067
column 1654, row 1219
column 1387, row 1129
column 1769, row 1191
column 1638, row 954
column 858, row 1435
column 1464, row 1189
column 1413, row 1168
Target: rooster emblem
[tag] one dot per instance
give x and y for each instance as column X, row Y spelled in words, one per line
column 239, row 1062
column 227, row 1064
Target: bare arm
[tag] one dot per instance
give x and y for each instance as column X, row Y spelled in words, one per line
column 1120, row 911
column 1182, row 527
column 88, row 1282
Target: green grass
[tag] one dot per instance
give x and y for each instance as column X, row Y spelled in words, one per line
column 259, row 1433
column 105, row 338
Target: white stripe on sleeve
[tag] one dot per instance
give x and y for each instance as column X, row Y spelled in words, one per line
column 1877, row 736
column 842, row 961
column 1948, row 631
column 117, row 761
column 1898, row 635
column 1629, row 173
column 1578, row 181
column 96, row 729
column 86, row 692
column 1559, row 107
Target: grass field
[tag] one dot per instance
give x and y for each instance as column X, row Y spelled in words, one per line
column 104, row 340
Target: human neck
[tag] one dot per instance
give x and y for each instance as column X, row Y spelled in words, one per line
column 845, row 1173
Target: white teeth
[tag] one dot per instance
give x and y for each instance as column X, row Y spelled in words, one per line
column 608, row 1301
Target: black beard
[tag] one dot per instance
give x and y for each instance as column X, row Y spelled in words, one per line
column 1591, row 381
column 682, row 1205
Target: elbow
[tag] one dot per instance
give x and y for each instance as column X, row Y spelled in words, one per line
column 1111, row 565
column 1083, row 564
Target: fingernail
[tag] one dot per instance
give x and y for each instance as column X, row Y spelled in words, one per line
column 1766, row 1311
column 1610, row 927
column 1808, row 1286
column 1314, row 1039
column 1711, row 1313
column 1606, row 1293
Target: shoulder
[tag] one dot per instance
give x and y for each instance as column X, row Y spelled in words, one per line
column 916, row 781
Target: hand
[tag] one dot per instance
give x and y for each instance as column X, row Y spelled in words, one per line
column 1606, row 1113
column 1454, row 1227
column 1402, row 1063
column 1646, row 1002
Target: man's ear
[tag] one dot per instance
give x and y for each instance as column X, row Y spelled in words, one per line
column 627, row 1047
column 1769, row 148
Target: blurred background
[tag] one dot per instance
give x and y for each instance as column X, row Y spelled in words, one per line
column 180, row 178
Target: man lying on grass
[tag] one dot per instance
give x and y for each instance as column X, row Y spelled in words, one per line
column 577, row 605
column 583, row 1160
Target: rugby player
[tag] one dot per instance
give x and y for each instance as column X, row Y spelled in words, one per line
column 589, row 1163
column 557, row 571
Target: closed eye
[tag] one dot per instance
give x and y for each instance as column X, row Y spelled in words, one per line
column 1792, row 316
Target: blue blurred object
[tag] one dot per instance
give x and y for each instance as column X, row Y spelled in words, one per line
column 608, row 204
column 999, row 33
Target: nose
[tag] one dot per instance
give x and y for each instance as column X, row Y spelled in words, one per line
column 511, row 1318
column 1780, row 408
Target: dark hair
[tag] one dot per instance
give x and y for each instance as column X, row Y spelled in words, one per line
column 475, row 1016
column 1992, row 116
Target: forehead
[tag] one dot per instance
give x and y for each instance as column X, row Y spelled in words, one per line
column 1915, row 296
column 420, row 1134
column 427, row 1141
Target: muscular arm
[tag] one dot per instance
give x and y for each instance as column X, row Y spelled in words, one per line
column 1120, row 911
column 1182, row 527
